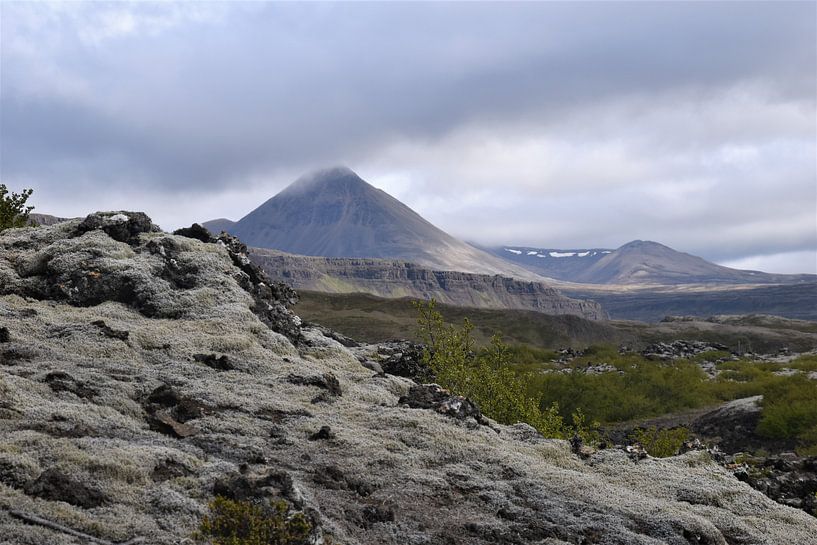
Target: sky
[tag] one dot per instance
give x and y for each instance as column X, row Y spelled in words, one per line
column 558, row 125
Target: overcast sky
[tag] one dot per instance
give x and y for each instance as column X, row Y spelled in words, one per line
column 543, row 124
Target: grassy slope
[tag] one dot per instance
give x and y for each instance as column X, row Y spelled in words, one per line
column 371, row 319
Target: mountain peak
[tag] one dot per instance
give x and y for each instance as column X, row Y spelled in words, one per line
column 336, row 176
column 642, row 244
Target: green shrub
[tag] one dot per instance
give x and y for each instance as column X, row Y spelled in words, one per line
column 243, row 523
column 13, row 209
column 661, row 443
column 790, row 411
column 487, row 377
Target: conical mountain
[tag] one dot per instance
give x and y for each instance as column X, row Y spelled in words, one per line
column 335, row 213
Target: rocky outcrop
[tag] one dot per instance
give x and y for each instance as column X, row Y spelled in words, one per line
column 388, row 278
column 680, row 349
column 121, row 438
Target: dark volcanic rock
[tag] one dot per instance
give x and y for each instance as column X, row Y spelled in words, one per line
column 63, row 382
column 168, row 411
column 169, row 469
column 432, row 396
column 220, row 363
column 5, row 336
column 111, row 333
column 324, row 433
column 54, row 485
column 788, row 479
column 404, row 359
column 327, row 381
column 122, row 226
column 195, row 231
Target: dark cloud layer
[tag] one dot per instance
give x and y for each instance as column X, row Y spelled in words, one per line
column 541, row 123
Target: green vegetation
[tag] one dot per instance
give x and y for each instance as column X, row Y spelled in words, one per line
column 661, row 443
column 487, row 377
column 638, row 388
column 523, row 384
column 13, row 209
column 790, row 412
column 243, row 523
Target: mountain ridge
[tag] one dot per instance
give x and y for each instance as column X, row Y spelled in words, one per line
column 636, row 262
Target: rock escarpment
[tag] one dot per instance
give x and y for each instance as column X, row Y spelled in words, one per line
column 389, row 278
column 123, row 436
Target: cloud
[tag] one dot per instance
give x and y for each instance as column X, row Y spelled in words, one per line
column 784, row 263
column 541, row 123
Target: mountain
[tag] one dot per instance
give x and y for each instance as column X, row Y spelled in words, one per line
column 218, row 225
column 653, row 303
column 560, row 264
column 143, row 374
column 334, row 213
column 398, row 279
column 44, row 219
column 637, row 263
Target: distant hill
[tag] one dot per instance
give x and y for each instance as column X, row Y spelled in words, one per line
column 44, row 219
column 795, row 301
column 334, row 213
column 636, row 263
column 219, row 225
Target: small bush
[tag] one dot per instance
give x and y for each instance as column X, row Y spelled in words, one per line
column 13, row 209
column 661, row 443
column 243, row 523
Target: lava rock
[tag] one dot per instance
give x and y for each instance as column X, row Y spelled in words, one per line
column 433, row 396
column 195, row 231
column 5, row 336
column 272, row 299
column 54, row 485
column 59, row 381
column 327, row 381
column 404, row 359
column 111, row 333
column 168, row 469
column 220, row 363
column 373, row 514
column 679, row 349
column 333, row 477
column 325, row 433
column 168, row 411
column 163, row 422
column 122, row 226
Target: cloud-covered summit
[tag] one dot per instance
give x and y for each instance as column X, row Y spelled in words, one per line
column 534, row 123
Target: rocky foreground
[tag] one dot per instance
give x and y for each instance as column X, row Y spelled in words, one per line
column 143, row 373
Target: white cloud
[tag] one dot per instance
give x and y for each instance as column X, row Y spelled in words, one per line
column 784, row 263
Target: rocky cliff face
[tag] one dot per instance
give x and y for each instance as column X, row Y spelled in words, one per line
column 142, row 373
column 389, row 278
